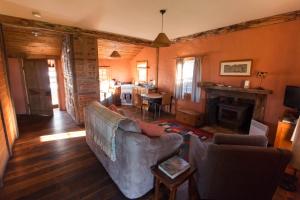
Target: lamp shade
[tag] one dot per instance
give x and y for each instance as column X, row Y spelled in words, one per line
column 115, row 54
column 161, row 40
column 295, row 162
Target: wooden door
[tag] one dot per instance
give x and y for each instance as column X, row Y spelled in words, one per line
column 38, row 87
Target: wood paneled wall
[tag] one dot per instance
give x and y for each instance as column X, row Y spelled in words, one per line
column 68, row 68
column 8, row 125
column 86, row 72
column 80, row 63
column 61, row 86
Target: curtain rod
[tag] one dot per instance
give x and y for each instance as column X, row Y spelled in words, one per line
column 191, row 56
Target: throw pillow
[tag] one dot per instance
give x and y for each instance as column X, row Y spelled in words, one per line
column 150, row 129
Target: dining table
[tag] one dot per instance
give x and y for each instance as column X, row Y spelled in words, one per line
column 154, row 100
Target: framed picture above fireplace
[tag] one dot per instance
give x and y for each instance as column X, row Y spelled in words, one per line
column 236, row 68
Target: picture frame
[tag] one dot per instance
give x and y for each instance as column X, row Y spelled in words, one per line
column 236, row 68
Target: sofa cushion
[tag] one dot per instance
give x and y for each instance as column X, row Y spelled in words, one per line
column 130, row 126
column 151, row 130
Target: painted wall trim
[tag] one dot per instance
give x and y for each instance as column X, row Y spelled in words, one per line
column 281, row 18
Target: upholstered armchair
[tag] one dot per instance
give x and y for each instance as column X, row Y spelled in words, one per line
column 237, row 167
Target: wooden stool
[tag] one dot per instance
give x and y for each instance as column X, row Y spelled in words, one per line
column 172, row 184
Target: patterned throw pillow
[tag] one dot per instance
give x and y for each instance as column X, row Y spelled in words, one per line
column 150, row 129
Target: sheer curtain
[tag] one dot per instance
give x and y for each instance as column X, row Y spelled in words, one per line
column 179, row 86
column 196, row 90
column 179, row 80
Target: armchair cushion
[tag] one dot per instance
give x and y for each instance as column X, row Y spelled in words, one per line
column 244, row 140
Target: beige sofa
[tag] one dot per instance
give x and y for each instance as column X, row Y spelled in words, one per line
column 135, row 154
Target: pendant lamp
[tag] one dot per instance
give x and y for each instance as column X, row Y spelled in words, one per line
column 162, row 39
column 115, row 54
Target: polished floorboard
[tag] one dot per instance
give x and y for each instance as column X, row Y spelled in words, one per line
column 51, row 160
column 47, row 164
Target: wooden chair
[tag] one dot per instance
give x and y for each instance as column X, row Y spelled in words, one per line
column 140, row 103
column 166, row 101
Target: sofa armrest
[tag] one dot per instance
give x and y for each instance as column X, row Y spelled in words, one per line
column 237, row 139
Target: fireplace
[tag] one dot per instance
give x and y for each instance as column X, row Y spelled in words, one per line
column 233, row 115
column 234, row 107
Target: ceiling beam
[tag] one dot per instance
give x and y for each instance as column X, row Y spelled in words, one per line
column 40, row 25
column 290, row 16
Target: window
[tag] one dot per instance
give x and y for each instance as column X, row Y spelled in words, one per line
column 104, row 80
column 142, row 71
column 187, row 75
column 184, row 77
column 53, row 85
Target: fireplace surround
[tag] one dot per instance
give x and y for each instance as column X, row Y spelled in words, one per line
column 234, row 107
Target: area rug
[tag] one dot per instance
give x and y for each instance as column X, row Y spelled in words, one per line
column 173, row 126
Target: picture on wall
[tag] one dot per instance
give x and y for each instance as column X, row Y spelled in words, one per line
column 236, row 68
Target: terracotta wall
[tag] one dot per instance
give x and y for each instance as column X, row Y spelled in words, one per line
column 16, row 80
column 120, row 69
column 146, row 54
column 273, row 48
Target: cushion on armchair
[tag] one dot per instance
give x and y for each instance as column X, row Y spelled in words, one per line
column 230, row 139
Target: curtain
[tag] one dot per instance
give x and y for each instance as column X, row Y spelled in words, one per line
column 179, row 93
column 179, row 81
column 196, row 90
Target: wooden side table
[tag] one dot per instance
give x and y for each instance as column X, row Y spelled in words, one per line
column 283, row 135
column 172, row 184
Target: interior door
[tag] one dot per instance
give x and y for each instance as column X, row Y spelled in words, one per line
column 38, row 87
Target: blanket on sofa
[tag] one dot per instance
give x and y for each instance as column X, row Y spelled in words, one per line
column 105, row 125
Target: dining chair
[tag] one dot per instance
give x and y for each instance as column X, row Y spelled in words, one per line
column 165, row 101
column 140, row 103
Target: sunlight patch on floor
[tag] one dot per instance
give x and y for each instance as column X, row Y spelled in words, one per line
column 62, row 136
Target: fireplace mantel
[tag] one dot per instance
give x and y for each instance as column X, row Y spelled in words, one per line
column 257, row 96
column 238, row 89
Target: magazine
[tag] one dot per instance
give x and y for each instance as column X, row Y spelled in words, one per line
column 174, row 166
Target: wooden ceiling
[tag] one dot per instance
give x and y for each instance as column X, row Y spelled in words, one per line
column 31, row 43
column 127, row 51
column 28, row 43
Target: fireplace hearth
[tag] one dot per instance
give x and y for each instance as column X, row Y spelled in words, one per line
column 234, row 107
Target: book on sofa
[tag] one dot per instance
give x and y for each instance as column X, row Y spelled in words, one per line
column 174, row 166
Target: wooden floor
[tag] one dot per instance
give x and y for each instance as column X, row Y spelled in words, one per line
column 57, row 169
column 49, row 165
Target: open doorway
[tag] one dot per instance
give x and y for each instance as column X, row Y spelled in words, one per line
column 53, row 82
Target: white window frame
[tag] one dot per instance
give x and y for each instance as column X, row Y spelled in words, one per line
column 142, row 66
